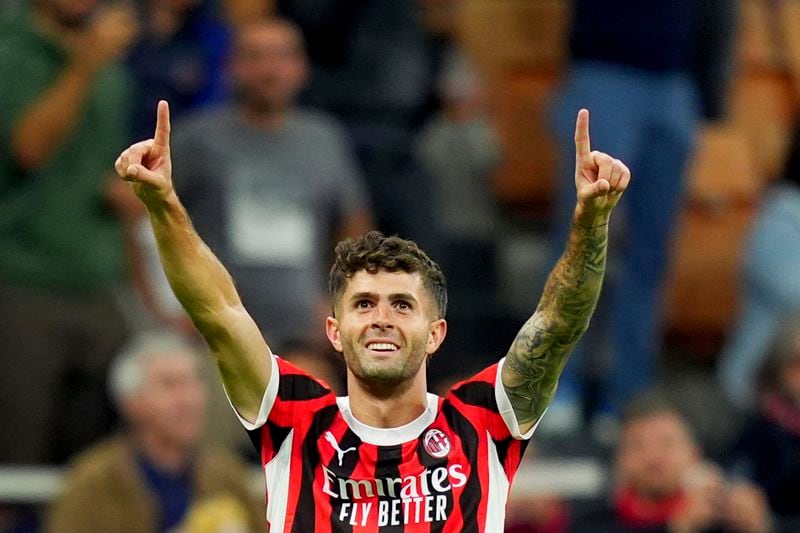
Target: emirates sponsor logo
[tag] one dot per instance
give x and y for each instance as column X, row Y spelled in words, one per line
column 436, row 443
column 428, row 482
column 409, row 500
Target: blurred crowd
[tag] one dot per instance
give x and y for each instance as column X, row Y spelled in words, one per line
column 297, row 123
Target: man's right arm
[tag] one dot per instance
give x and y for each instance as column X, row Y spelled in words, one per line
column 199, row 280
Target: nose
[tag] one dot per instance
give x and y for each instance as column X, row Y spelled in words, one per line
column 381, row 318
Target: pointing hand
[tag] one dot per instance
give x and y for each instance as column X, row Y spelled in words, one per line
column 147, row 164
column 600, row 179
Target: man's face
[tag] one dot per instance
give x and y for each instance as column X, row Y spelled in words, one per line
column 385, row 326
column 70, row 13
column 269, row 66
column 655, row 454
column 171, row 403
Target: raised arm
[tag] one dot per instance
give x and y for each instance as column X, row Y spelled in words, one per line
column 539, row 352
column 199, row 280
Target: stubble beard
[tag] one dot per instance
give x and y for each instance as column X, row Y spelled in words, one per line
column 384, row 375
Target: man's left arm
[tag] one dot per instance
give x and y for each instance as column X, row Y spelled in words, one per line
column 538, row 354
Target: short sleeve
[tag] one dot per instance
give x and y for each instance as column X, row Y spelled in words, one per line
column 484, row 396
column 290, row 396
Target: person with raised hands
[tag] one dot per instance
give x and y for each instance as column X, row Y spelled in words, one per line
column 64, row 101
column 389, row 453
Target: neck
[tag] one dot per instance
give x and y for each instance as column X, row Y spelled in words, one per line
column 263, row 119
column 387, row 407
column 163, row 453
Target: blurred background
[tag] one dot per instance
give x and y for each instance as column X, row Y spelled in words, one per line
column 299, row 122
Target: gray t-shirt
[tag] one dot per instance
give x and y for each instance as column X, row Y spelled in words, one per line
column 268, row 203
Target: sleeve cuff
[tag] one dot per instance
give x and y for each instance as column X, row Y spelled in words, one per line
column 507, row 410
column 266, row 402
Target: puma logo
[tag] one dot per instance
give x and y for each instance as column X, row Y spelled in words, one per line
column 339, row 452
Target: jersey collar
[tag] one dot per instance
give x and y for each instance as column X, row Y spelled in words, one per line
column 389, row 436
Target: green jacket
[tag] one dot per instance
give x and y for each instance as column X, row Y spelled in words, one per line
column 56, row 230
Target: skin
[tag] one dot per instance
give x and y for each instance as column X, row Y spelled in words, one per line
column 103, row 36
column 167, row 413
column 658, row 458
column 539, row 352
column 386, row 307
column 268, row 70
column 386, row 389
column 655, row 453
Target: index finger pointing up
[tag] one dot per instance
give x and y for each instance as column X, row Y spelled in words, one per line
column 582, row 145
column 161, row 137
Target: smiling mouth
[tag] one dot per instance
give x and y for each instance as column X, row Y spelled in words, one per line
column 382, row 347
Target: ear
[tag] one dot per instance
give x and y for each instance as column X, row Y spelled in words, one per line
column 436, row 334
column 333, row 333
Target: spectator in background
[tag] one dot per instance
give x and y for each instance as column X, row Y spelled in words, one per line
column 156, row 475
column 269, row 185
column 663, row 485
column 770, row 284
column 456, row 151
column 536, row 511
column 768, row 450
column 179, row 57
column 64, row 107
column 770, row 281
column 649, row 72
column 373, row 67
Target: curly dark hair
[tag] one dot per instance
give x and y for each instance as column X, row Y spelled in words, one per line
column 373, row 252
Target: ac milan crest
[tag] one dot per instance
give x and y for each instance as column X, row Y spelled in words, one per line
column 436, row 443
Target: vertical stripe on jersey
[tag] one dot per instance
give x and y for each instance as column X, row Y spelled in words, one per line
column 471, row 493
column 350, row 461
column 388, row 466
column 278, row 475
column 305, row 510
column 431, row 463
column 498, row 489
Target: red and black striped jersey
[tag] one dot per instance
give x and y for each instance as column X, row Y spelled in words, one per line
column 449, row 470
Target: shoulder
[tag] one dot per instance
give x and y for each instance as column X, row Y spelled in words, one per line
column 318, row 123
column 215, row 115
column 99, row 463
column 114, row 83
column 299, row 384
column 26, row 59
column 206, row 123
column 218, row 463
column 478, row 389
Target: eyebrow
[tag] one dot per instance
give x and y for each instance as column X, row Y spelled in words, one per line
column 392, row 297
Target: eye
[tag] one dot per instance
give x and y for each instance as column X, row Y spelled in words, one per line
column 403, row 305
column 363, row 304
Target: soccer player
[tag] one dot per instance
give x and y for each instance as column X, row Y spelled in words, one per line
column 389, row 456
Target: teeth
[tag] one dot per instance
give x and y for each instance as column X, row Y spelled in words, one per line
column 382, row 346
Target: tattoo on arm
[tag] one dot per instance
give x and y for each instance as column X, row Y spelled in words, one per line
column 540, row 350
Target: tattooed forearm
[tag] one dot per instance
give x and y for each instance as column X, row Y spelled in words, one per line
column 540, row 350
